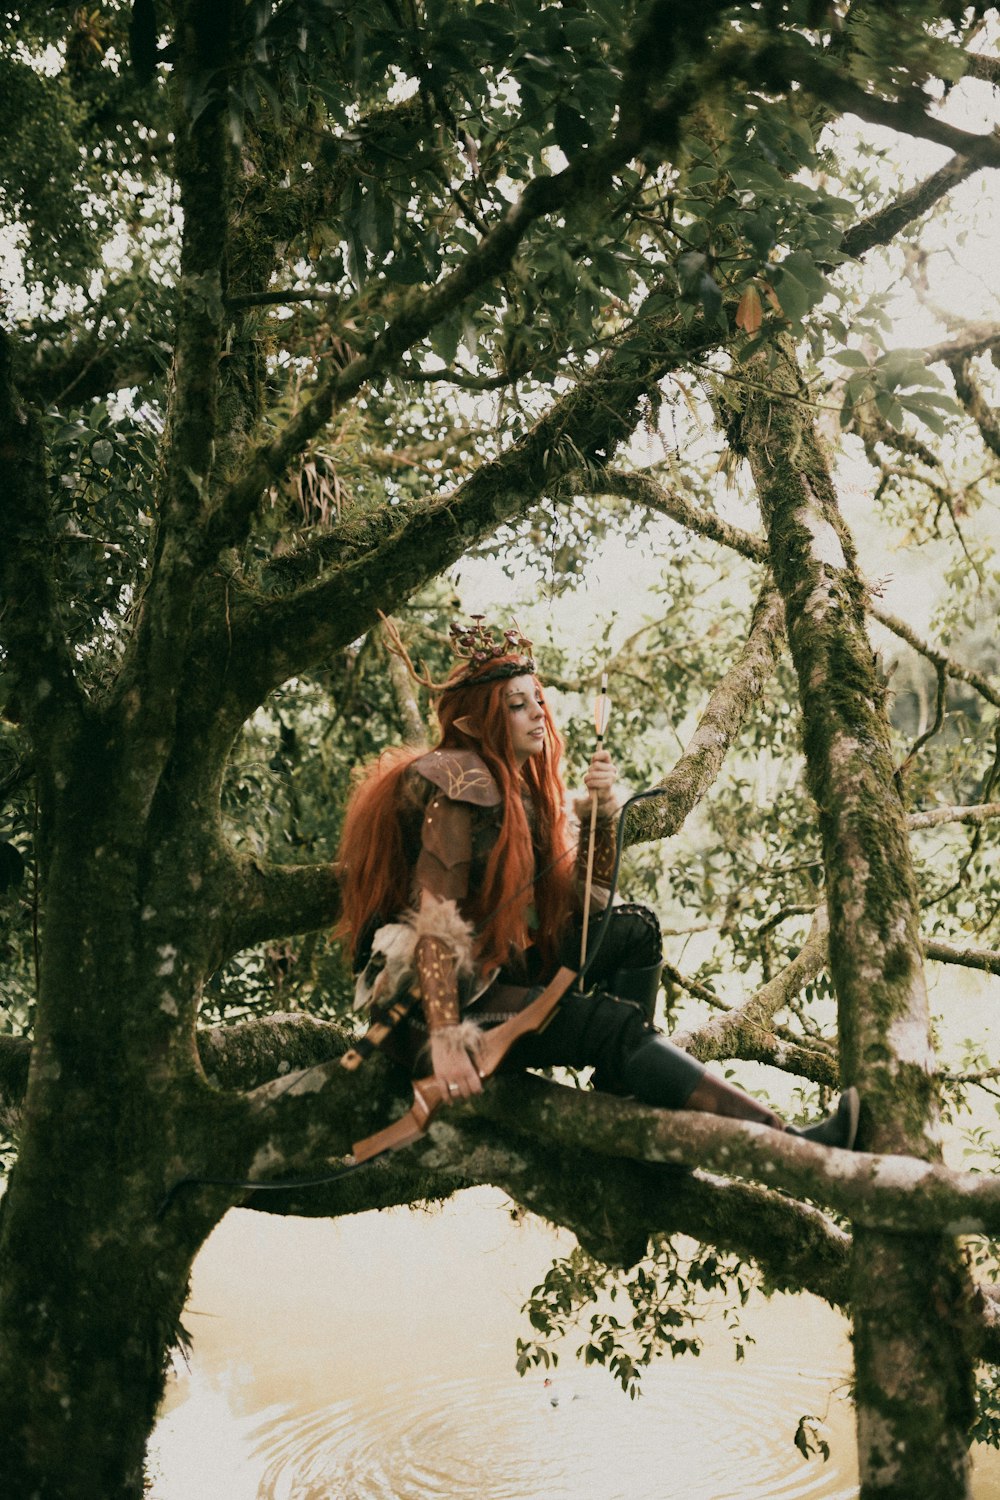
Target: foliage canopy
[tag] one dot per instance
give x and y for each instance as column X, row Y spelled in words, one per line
column 317, row 308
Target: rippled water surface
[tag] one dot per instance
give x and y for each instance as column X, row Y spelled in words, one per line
column 372, row 1359
column 465, row 1439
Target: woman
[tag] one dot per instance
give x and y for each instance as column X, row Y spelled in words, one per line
column 459, row 885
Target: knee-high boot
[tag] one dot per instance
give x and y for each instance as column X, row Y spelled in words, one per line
column 659, row 1073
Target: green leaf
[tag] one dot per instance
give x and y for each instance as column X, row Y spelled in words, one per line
column 760, row 231
column 572, row 130
column 710, row 295
column 888, row 407
column 853, row 358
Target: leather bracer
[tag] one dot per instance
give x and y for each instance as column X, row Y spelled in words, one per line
column 604, row 851
column 437, row 969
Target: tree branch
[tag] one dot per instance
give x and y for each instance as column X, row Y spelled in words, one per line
column 796, row 1244
column 723, row 717
column 587, row 176
column 749, row 1024
column 969, row 392
column 880, row 227
column 384, row 557
column 779, row 64
column 643, row 489
column 611, row 1206
column 900, row 1194
column 872, row 428
column 547, row 1146
column 979, row 65
column 206, row 41
column 975, row 338
column 980, row 812
column 271, row 901
column 90, row 367
column 970, row 958
column 953, row 668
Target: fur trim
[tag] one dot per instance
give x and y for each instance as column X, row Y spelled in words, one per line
column 392, row 968
column 465, row 1037
column 580, row 813
column 441, row 918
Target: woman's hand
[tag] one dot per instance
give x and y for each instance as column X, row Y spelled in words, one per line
column 454, row 1070
column 600, row 779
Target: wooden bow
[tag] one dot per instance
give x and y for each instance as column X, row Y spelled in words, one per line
column 428, row 1095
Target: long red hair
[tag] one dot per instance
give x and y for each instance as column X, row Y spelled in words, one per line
column 374, row 876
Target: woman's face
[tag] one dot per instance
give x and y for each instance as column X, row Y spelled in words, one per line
column 523, row 698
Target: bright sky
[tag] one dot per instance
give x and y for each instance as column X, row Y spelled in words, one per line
column 623, row 587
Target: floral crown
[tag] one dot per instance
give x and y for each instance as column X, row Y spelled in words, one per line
column 475, row 643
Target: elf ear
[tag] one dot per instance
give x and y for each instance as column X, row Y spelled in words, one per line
column 466, row 725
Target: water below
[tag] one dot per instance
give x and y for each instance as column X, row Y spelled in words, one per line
column 373, row 1359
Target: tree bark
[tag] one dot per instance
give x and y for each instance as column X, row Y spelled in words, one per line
column 92, row 1287
column 914, row 1374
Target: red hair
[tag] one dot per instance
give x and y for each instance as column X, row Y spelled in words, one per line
column 372, row 862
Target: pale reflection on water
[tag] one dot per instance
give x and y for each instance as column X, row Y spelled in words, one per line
column 465, row 1439
column 372, row 1359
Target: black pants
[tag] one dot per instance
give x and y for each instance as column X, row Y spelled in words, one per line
column 631, row 941
column 598, row 1029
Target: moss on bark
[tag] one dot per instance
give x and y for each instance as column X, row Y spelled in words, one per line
column 914, row 1446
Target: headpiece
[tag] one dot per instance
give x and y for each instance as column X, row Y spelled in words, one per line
column 475, row 643
column 478, row 645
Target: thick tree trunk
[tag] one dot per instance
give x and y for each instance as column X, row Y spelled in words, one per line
column 90, row 1302
column 92, row 1281
column 914, row 1372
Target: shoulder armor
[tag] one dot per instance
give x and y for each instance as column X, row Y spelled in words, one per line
column 461, row 775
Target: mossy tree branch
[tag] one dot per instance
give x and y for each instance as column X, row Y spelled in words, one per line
column 882, row 226
column 588, row 176
column 46, row 694
column 895, row 1193
column 779, row 64
column 980, row 65
column 876, row 959
column 381, row 560
column 719, row 723
column 207, row 40
column 266, row 900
